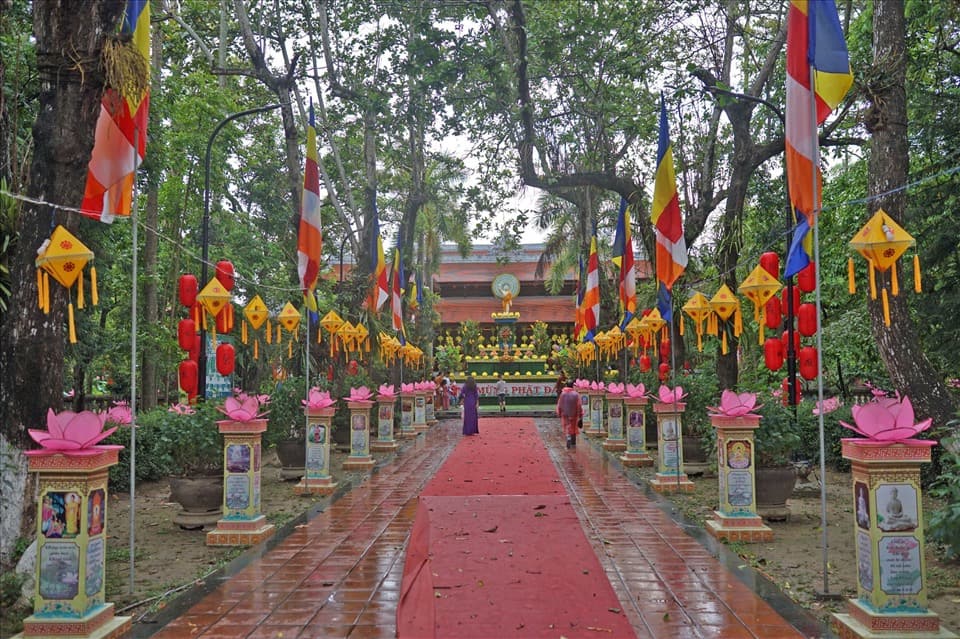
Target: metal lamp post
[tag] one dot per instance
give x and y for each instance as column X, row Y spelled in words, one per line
column 205, row 234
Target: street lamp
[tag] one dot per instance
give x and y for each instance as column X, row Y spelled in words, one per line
column 204, row 237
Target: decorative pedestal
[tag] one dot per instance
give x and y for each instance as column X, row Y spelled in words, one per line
column 595, row 429
column 615, row 440
column 431, row 409
column 317, row 479
column 360, row 458
column 420, row 411
column 242, row 523
column 737, row 518
column 71, row 548
column 407, row 402
column 636, row 424
column 384, row 442
column 888, row 527
column 670, row 477
column 585, row 405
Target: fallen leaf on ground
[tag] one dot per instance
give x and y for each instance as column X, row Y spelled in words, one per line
column 493, row 529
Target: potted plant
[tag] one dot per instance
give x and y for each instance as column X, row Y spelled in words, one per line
column 777, row 439
column 194, row 450
column 286, row 427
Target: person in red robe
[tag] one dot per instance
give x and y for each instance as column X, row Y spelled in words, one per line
column 570, row 410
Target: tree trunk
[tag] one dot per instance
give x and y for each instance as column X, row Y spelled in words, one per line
column 69, row 39
column 910, row 371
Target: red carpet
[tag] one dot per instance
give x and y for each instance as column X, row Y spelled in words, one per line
column 498, row 552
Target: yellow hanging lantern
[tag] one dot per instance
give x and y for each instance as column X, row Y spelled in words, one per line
column 363, row 337
column 255, row 313
column 348, row 335
column 725, row 305
column 289, row 317
column 759, row 287
column 882, row 242
column 213, row 298
column 635, row 331
column 331, row 323
column 699, row 310
column 63, row 256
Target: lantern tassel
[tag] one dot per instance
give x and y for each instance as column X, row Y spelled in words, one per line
column 725, row 349
column 761, row 333
column 269, row 333
column 279, row 335
column 319, row 334
column 737, row 323
column 873, row 280
column 213, row 334
column 94, row 296
column 39, row 289
column 80, row 290
column 46, row 293
column 851, row 277
column 70, row 324
column 699, row 342
column 681, row 322
column 917, row 284
column 886, row 308
column 894, row 282
column 243, row 332
column 256, row 349
column 290, row 348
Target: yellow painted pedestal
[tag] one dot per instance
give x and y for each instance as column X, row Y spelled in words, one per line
column 420, row 411
column 615, row 440
column 242, row 523
column 408, row 401
column 360, row 458
column 317, row 479
column 595, row 428
column 585, row 406
column 888, row 530
column 737, row 518
column 71, row 547
column 431, row 409
column 670, row 477
column 635, row 417
column 384, row 441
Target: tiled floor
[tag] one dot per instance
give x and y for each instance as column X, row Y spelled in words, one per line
column 339, row 574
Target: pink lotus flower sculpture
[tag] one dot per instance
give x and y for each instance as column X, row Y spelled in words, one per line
column 735, row 404
column 887, row 419
column 582, row 384
column 615, row 388
column 317, row 399
column 597, row 386
column 181, row 409
column 408, row 388
column 636, row 391
column 71, row 433
column 119, row 414
column 361, row 394
column 387, row 391
column 426, row 385
column 827, row 406
column 242, row 408
column 670, row 396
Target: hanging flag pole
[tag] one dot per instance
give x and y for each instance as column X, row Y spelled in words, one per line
column 133, row 377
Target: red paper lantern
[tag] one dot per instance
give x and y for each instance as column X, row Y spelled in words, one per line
column 807, row 319
column 807, row 278
column 352, row 367
column 226, row 359
column 330, row 373
column 194, row 351
column 807, row 362
column 186, row 334
column 187, row 373
column 664, row 371
column 225, row 319
column 644, row 363
column 664, row 349
column 773, row 315
column 773, row 353
column 785, row 387
column 187, row 288
column 796, row 301
column 225, row 274
column 770, row 262
column 796, row 341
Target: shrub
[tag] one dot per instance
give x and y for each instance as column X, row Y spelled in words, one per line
column 944, row 523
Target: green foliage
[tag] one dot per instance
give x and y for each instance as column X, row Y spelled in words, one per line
column 470, row 338
column 286, row 419
column 833, row 432
column 11, row 584
column 448, row 358
column 778, row 436
column 541, row 339
column 944, row 523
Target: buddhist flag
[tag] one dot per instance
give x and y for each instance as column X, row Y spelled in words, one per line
column 396, row 304
column 623, row 257
column 309, row 234
column 578, row 329
column 815, row 50
column 120, row 141
column 671, row 254
column 380, row 293
column 416, row 293
column 591, row 294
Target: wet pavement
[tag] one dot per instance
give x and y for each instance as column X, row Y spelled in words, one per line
column 337, row 572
